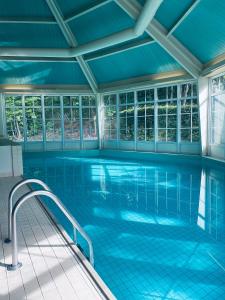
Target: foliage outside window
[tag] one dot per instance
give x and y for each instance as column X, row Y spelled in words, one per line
column 189, row 113
column 145, row 114
column 71, row 117
column 126, row 115
column 53, row 118
column 89, row 117
column 14, row 118
column 167, row 114
column 218, row 110
column 33, row 117
column 110, row 117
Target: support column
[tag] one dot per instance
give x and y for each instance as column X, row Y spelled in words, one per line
column 203, row 98
column 99, row 120
column 2, row 119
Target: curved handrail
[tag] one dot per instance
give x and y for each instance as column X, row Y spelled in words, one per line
column 10, row 199
column 15, row 264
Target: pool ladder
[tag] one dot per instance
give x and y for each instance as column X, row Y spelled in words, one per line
column 12, row 212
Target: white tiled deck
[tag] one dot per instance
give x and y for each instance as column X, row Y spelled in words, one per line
column 50, row 269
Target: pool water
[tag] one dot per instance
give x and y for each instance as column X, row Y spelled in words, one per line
column 158, row 229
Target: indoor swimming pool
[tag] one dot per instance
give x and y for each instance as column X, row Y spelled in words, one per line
column 158, row 229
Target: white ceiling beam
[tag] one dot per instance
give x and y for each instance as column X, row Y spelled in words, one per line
column 169, row 43
column 144, row 18
column 183, row 17
column 89, row 57
column 50, row 21
column 15, row 20
column 119, row 49
column 71, row 40
column 88, row 9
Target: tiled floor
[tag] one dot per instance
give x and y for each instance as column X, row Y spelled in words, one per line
column 50, row 270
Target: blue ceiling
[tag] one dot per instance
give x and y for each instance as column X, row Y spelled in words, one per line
column 24, row 8
column 14, row 72
column 201, row 32
column 141, row 61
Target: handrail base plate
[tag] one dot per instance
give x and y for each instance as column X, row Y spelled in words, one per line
column 7, row 241
column 14, row 268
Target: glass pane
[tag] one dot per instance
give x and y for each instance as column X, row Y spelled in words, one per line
column 162, row 134
column 130, row 97
column 66, row 101
column 48, row 113
column 195, row 120
column 161, row 121
column 85, row 101
column 74, row 101
column 186, row 121
column 122, row 98
column 56, row 101
column 141, row 96
column 171, row 135
column 149, row 134
column 195, row 135
column 150, row 95
column 172, row 121
column 162, row 93
column 141, row 134
column 56, row 113
column 186, row 135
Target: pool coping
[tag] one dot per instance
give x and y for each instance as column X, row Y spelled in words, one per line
column 88, row 269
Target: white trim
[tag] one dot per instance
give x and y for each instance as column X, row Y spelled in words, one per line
column 183, row 17
column 71, row 40
column 87, row 10
column 170, row 44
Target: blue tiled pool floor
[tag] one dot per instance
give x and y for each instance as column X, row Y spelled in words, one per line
column 158, row 230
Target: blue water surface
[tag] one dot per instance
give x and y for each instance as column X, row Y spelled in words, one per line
column 158, row 229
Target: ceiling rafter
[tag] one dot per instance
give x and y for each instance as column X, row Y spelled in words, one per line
column 51, row 21
column 88, row 9
column 146, row 15
column 88, row 57
column 37, row 21
column 169, row 43
column 118, row 49
column 183, row 17
column 71, row 40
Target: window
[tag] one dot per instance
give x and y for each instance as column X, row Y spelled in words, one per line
column 145, row 114
column 89, row 117
column 110, row 117
column 53, row 118
column 218, row 110
column 33, row 117
column 126, row 115
column 71, row 118
column 189, row 113
column 14, row 118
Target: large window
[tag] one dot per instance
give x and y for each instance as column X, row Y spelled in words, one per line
column 126, row 109
column 145, row 114
column 52, row 118
column 167, row 114
column 110, row 117
column 163, row 114
column 189, row 113
column 218, row 110
column 14, row 117
column 89, row 117
column 71, row 117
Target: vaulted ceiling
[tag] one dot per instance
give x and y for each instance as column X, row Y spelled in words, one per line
column 184, row 36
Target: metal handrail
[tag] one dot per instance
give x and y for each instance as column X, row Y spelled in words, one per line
column 15, row 264
column 10, row 200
